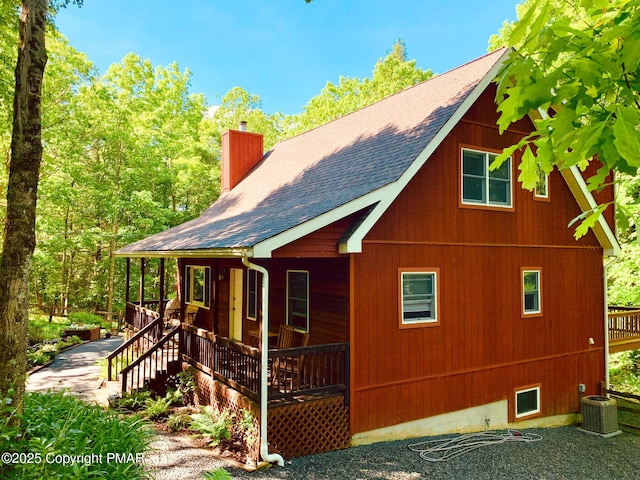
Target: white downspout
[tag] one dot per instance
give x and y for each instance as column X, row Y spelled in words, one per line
column 606, row 321
column 264, row 347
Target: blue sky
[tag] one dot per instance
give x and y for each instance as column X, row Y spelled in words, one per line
column 285, row 51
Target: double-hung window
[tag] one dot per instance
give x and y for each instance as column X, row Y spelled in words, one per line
column 531, row 292
column 197, row 285
column 298, row 299
column 483, row 186
column 418, row 297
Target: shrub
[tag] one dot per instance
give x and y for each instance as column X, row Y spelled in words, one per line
column 85, row 318
column 217, row 474
column 36, row 334
column 38, row 357
column 185, row 384
column 247, row 429
column 212, row 423
column 178, row 421
column 40, row 328
column 155, row 408
column 133, row 401
column 58, row 424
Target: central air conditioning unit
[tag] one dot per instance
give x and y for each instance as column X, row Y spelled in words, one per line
column 599, row 415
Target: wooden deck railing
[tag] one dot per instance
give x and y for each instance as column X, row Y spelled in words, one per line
column 310, row 370
column 318, row 369
column 137, row 317
column 230, row 361
column 624, row 328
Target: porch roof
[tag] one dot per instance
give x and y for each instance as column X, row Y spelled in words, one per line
column 324, row 174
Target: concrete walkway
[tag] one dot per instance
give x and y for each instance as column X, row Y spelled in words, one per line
column 77, row 370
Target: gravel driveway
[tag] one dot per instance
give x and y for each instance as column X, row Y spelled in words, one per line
column 562, row 453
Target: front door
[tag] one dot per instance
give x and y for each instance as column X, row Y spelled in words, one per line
column 235, row 304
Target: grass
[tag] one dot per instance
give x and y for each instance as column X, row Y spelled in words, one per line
column 58, row 428
column 40, row 329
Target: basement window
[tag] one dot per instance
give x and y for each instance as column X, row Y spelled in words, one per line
column 527, row 402
column 197, row 285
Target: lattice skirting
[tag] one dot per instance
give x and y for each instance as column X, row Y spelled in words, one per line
column 211, row 392
column 313, row 425
column 308, row 427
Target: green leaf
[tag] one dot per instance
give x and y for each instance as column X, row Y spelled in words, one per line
column 597, row 181
column 623, row 218
column 528, row 169
column 587, row 220
column 627, row 137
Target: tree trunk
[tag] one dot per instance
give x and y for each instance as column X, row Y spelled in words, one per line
column 24, row 167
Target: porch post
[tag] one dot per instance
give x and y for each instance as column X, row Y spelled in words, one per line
column 141, row 287
column 128, row 281
column 161, row 296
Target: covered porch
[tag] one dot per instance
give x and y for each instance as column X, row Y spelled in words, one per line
column 307, row 377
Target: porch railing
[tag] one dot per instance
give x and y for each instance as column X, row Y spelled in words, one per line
column 137, row 317
column 624, row 328
column 157, row 359
column 310, row 370
column 230, row 361
column 300, row 371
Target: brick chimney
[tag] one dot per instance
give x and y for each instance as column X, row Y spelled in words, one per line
column 241, row 151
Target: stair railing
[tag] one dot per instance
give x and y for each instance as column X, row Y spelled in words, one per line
column 156, row 359
column 133, row 347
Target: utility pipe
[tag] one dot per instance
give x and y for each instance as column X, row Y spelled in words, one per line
column 606, row 320
column 264, row 350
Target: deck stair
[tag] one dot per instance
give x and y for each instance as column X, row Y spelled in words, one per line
column 147, row 358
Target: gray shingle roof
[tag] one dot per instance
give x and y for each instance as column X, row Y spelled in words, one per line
column 313, row 173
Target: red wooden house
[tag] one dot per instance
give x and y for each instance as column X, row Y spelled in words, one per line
column 428, row 293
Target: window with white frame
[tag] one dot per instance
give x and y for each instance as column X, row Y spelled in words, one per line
column 197, row 286
column 418, row 297
column 527, row 402
column 480, row 184
column 541, row 190
column 531, row 296
column 298, row 299
column 252, row 294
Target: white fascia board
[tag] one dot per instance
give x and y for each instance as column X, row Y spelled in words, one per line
column 354, row 243
column 265, row 248
column 587, row 202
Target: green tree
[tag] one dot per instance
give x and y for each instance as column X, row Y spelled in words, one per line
column 238, row 105
column 22, row 187
column 132, row 152
column 390, row 75
column 578, row 66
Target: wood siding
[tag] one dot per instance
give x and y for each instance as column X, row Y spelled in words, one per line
column 482, row 348
column 322, row 243
column 328, row 297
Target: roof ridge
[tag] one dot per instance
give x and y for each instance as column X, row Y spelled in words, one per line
column 410, row 87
